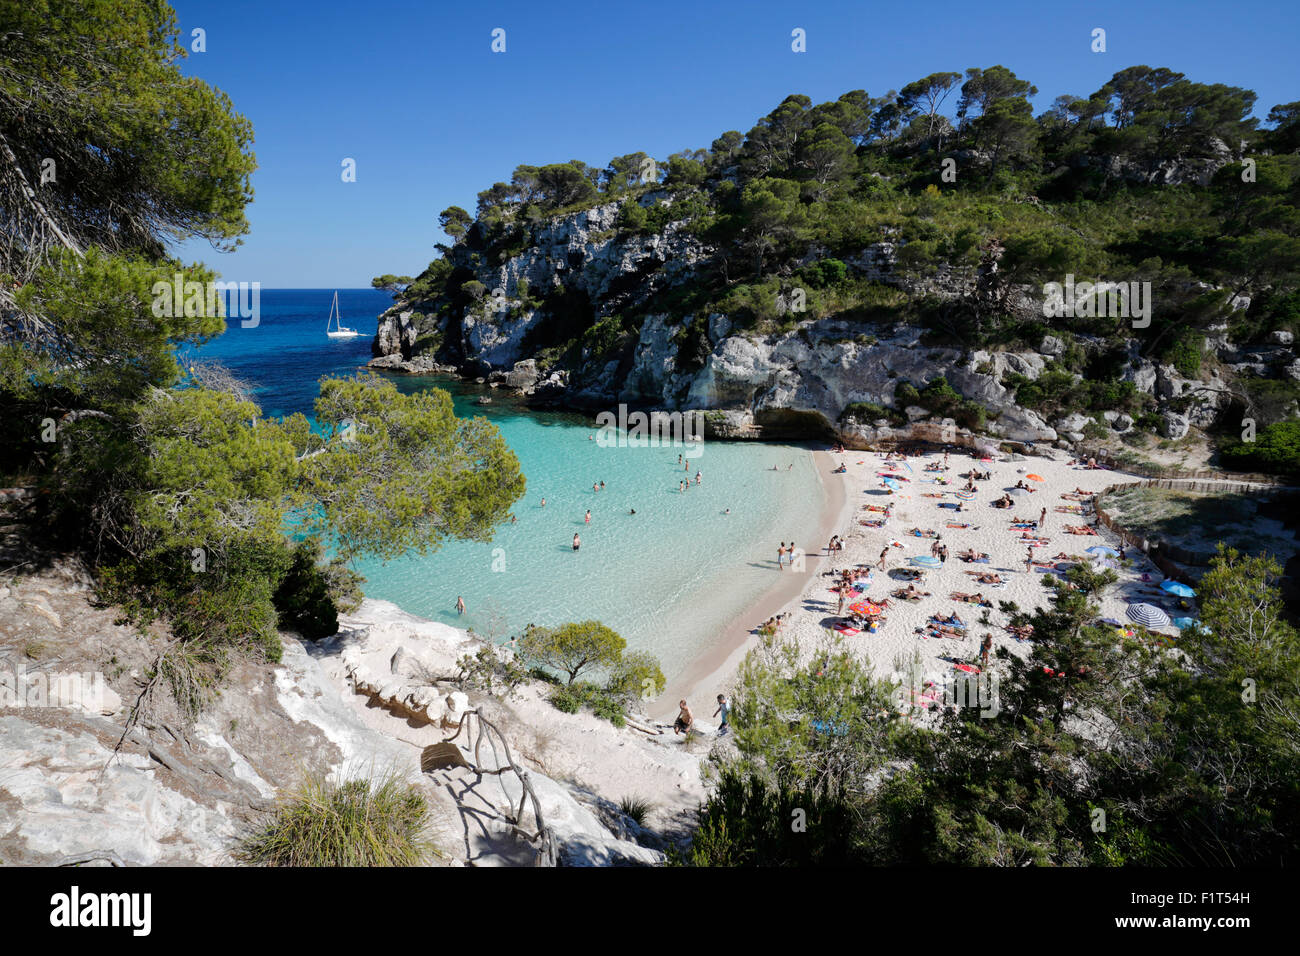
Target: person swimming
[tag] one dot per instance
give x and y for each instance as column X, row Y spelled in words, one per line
column 631, row 511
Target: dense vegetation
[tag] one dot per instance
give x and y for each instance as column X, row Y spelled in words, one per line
column 959, row 176
column 183, row 498
column 357, row 822
column 1095, row 750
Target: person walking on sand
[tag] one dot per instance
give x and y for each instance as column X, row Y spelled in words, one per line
column 884, row 553
column 985, row 649
column 1042, row 519
column 460, row 605
column 1029, row 559
column 577, row 542
column 685, row 719
column 724, row 708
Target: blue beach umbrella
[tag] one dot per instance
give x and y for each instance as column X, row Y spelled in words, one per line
column 1148, row 615
column 1102, row 549
column 925, row 561
column 1175, row 587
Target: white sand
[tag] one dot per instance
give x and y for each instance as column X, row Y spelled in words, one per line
column 897, row 639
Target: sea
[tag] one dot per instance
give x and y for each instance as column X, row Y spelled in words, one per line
column 668, row 578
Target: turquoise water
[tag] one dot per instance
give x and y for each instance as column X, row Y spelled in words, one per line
column 668, row 578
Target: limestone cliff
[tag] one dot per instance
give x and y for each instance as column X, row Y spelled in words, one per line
column 813, row 377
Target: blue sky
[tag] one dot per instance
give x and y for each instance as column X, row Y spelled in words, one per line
column 413, row 93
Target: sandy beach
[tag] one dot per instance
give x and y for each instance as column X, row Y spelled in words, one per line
column 710, row 673
column 926, row 501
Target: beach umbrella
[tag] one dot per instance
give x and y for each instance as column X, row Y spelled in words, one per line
column 1103, row 550
column 1019, row 492
column 1176, row 587
column 924, row 561
column 1035, row 477
column 865, row 608
column 1148, row 615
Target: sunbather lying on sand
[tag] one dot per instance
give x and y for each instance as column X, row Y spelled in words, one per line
column 939, row 631
column 986, row 577
column 970, row 554
column 909, row 593
column 1080, row 529
column 971, row 598
column 1021, row 632
column 927, row 533
column 1003, row 502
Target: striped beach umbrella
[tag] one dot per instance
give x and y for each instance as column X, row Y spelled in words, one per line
column 1148, row 615
column 924, row 561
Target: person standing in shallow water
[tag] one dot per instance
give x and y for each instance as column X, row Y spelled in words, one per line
column 587, row 520
column 577, row 542
column 780, row 556
column 460, row 605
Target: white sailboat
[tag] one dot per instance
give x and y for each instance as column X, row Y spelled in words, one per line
column 336, row 317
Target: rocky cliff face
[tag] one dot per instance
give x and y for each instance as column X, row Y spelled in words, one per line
column 795, row 384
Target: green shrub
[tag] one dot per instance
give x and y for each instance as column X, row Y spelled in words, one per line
column 565, row 699
column 1276, row 449
column 382, row 822
column 636, row 809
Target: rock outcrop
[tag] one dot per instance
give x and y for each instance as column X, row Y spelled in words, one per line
column 182, row 792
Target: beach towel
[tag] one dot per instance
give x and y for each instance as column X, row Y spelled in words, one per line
column 846, row 629
column 950, row 504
